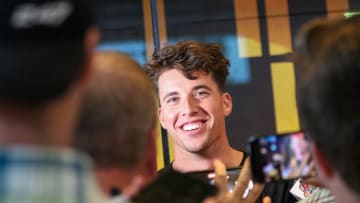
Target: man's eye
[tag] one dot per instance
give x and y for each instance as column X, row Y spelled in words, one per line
column 171, row 100
column 201, row 94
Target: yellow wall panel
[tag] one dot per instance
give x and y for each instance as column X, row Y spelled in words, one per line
column 159, row 150
column 171, row 148
column 276, row 7
column 278, row 27
column 283, row 85
column 279, row 36
column 247, row 28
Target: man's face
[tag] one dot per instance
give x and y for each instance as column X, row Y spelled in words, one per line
column 192, row 111
column 300, row 147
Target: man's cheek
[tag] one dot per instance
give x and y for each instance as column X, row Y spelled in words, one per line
column 171, row 119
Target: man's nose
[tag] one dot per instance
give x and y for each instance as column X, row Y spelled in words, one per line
column 190, row 106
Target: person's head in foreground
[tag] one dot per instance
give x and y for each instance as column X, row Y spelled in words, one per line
column 328, row 55
column 46, row 47
column 46, row 51
column 117, row 125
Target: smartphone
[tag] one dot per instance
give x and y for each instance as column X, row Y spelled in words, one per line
column 209, row 176
column 173, row 186
column 232, row 175
column 283, row 156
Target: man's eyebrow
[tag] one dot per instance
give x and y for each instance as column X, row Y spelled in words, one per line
column 201, row 87
column 169, row 95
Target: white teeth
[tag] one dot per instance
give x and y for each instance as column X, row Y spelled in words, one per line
column 191, row 126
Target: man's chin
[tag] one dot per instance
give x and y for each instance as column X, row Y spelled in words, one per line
column 196, row 149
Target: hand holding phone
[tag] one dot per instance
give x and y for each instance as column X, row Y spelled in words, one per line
column 208, row 176
column 241, row 192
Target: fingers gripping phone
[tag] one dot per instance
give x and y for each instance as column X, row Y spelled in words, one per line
column 277, row 157
column 208, row 176
column 232, row 175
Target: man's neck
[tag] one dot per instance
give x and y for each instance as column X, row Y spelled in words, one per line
column 187, row 162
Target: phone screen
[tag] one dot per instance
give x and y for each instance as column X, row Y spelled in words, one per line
column 277, row 157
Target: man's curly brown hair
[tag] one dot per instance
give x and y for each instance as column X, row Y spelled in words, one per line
column 190, row 57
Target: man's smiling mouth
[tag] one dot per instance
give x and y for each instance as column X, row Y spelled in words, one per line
column 192, row 126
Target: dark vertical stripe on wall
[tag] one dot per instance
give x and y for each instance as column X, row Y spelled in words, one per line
column 155, row 24
column 263, row 27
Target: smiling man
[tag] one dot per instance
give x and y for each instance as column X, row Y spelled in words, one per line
column 190, row 78
column 193, row 112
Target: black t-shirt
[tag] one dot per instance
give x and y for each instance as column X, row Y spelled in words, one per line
column 279, row 192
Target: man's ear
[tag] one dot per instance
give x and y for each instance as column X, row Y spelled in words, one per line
column 91, row 41
column 227, row 103
column 161, row 118
column 321, row 161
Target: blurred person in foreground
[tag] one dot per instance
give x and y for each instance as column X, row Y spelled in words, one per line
column 46, row 49
column 117, row 125
column 327, row 53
